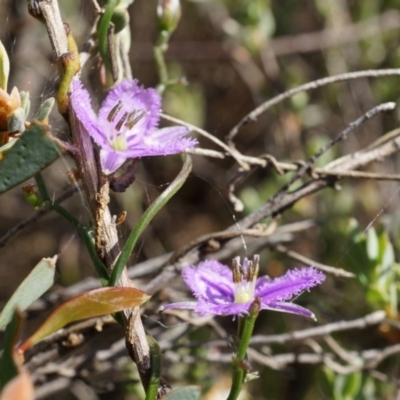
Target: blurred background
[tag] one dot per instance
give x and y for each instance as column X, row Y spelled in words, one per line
column 236, row 54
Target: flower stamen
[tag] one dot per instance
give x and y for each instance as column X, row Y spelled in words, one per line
column 134, row 117
column 121, row 122
column 114, row 111
column 244, row 278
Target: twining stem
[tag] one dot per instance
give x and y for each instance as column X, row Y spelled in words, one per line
column 82, row 230
column 146, row 218
column 159, row 50
column 104, row 26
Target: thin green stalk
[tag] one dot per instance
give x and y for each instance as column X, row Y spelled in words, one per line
column 104, row 32
column 8, row 367
column 83, row 232
column 238, row 370
column 240, row 327
column 155, row 355
column 146, row 218
column 41, row 185
column 159, row 50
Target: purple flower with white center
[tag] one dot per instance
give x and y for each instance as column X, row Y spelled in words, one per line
column 126, row 125
column 221, row 291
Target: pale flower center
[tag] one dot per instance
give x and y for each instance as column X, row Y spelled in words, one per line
column 119, row 143
column 244, row 291
column 245, row 278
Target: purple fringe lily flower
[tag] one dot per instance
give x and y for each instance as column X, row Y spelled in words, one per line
column 126, row 125
column 221, row 291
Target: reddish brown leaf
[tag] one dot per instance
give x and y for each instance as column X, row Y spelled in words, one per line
column 91, row 304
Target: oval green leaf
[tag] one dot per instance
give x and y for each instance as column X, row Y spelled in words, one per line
column 39, row 280
column 32, row 152
column 88, row 305
column 4, row 67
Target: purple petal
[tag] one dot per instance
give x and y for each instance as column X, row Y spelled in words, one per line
column 169, row 141
column 169, row 134
column 203, row 308
column 285, row 287
column 183, row 305
column 134, row 97
column 111, row 160
column 288, row 308
column 210, row 281
column 81, row 104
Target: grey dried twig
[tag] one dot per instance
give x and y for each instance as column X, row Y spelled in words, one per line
column 11, row 233
column 284, row 199
column 253, row 115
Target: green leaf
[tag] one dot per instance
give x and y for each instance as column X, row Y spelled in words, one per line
column 376, row 297
column 16, row 121
column 372, row 244
column 386, row 256
column 45, row 109
column 185, row 393
column 39, row 280
column 4, row 67
column 25, row 103
column 8, row 362
column 32, row 152
column 352, row 385
column 88, row 305
column 146, row 218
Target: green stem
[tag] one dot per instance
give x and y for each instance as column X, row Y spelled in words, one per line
column 240, row 327
column 8, row 363
column 103, row 34
column 41, row 185
column 83, row 232
column 155, row 355
column 159, row 49
column 238, row 370
column 146, row 218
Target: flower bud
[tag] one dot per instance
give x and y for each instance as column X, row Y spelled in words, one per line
column 32, row 196
column 4, row 67
column 169, row 14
